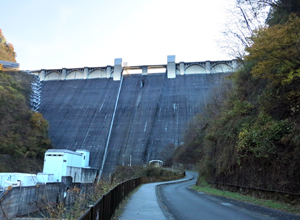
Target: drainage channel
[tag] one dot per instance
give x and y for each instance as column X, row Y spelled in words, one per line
column 110, row 129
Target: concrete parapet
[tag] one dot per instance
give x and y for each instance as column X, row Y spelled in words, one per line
column 181, row 66
column 85, row 72
column 171, row 67
column 144, row 70
column 64, row 73
column 108, row 71
column 118, row 69
column 234, row 64
column 207, row 65
column 42, row 75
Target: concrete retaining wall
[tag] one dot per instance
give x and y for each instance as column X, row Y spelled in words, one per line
column 88, row 175
column 24, row 200
column 82, row 175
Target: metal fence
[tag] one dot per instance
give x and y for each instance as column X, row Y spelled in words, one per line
column 2, row 193
column 105, row 207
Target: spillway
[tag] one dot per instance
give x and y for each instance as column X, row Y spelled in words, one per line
column 152, row 112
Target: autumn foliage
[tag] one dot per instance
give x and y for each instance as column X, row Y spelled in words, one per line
column 7, row 51
column 276, row 50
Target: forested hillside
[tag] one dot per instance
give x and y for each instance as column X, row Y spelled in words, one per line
column 249, row 134
column 23, row 132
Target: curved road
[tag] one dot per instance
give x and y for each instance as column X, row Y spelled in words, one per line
column 180, row 202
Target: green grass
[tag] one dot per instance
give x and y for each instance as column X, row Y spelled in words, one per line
column 295, row 209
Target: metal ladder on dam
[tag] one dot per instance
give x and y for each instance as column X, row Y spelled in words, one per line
column 110, row 129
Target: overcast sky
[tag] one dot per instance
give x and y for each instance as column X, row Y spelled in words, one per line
column 78, row 33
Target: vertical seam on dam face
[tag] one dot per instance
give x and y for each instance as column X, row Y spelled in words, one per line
column 147, row 151
column 110, row 129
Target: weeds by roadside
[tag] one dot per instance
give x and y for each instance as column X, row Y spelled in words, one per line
column 204, row 187
column 157, row 174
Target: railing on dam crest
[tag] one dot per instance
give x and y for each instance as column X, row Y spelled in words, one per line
column 172, row 69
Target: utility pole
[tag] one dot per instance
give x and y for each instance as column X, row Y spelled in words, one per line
column 130, row 160
column 123, row 160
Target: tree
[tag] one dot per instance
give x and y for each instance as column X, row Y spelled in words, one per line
column 243, row 18
column 281, row 10
column 249, row 15
column 277, row 52
column 7, row 51
column 22, row 131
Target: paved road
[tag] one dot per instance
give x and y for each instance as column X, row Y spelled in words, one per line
column 181, row 202
column 143, row 204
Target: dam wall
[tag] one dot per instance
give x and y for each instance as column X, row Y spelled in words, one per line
column 152, row 112
column 79, row 114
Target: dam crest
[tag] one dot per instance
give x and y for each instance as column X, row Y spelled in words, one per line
column 171, row 68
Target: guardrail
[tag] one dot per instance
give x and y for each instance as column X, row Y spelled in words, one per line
column 8, row 64
column 105, row 207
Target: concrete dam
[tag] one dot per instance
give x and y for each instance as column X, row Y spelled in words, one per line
column 125, row 118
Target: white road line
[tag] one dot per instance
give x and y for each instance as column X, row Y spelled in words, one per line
column 226, row 204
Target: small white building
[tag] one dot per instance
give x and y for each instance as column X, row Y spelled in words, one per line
column 17, row 179
column 58, row 163
column 66, row 163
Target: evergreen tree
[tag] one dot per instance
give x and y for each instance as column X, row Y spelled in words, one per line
column 281, row 10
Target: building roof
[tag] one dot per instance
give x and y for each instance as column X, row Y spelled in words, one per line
column 62, row 151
